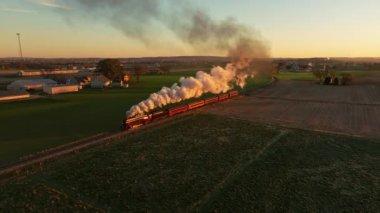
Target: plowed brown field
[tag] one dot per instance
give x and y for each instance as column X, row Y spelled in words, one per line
column 352, row 110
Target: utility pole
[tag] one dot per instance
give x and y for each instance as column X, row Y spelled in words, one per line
column 19, row 43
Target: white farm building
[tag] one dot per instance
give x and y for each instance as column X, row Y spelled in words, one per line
column 30, row 84
column 10, row 96
column 57, row 89
column 53, row 72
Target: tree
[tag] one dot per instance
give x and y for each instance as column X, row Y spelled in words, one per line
column 280, row 65
column 139, row 69
column 111, row 68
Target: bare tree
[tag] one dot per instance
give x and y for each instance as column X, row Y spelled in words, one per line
column 139, row 69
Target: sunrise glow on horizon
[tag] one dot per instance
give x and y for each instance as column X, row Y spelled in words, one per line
column 290, row 29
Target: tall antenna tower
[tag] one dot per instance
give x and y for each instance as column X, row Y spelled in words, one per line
column 19, row 43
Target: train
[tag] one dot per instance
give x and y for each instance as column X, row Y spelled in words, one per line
column 130, row 123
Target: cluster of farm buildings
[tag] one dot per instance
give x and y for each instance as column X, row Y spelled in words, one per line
column 56, row 82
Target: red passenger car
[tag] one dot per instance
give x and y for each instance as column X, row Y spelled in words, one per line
column 178, row 110
column 223, row 97
column 159, row 115
column 196, row 104
column 233, row 94
column 142, row 120
column 211, row 100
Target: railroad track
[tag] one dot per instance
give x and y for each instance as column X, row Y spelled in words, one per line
column 60, row 151
column 49, row 155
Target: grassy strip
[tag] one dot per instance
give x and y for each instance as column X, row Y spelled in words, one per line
column 300, row 76
column 308, row 76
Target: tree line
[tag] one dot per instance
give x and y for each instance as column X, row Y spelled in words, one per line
column 114, row 69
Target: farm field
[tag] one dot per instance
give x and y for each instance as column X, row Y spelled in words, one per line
column 308, row 76
column 205, row 162
column 352, row 110
column 30, row 126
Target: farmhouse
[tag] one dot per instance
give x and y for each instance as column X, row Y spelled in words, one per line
column 57, row 89
column 85, row 80
column 30, row 84
column 126, row 77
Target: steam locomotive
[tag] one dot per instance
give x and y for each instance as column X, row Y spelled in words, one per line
column 146, row 119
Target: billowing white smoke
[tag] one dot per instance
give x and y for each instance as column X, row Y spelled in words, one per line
column 193, row 27
column 219, row 80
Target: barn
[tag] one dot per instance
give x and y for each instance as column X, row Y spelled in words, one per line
column 57, row 89
column 30, row 84
column 53, row 72
column 10, row 96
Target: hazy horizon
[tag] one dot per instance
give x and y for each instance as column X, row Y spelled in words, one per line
column 174, row 56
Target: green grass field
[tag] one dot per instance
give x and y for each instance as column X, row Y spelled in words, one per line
column 308, row 76
column 33, row 125
column 207, row 163
column 286, row 75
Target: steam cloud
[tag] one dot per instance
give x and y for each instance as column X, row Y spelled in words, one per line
column 219, row 80
column 137, row 18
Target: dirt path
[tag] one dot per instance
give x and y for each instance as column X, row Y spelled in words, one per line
column 352, row 110
column 202, row 205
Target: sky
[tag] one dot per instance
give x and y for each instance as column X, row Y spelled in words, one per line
column 291, row 28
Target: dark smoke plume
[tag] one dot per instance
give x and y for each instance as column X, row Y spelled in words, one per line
column 137, row 19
